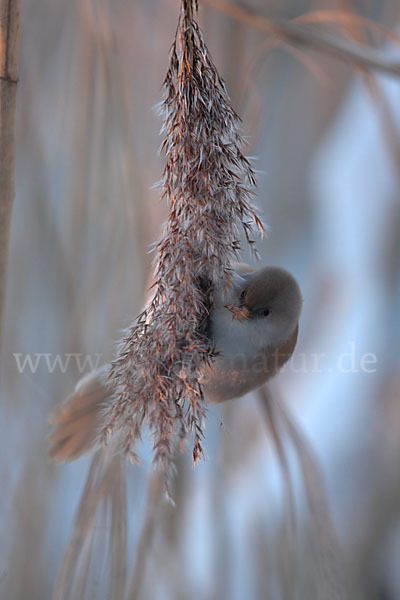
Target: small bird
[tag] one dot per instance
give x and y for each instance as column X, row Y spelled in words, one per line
column 254, row 330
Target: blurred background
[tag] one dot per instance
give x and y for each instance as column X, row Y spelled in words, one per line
column 325, row 137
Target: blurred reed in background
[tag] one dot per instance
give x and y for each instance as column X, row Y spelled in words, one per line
column 325, row 131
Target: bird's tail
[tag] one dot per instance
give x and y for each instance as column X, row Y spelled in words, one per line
column 77, row 421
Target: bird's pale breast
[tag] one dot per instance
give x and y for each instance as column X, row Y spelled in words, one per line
column 235, row 376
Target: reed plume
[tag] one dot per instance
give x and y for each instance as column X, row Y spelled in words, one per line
column 208, row 184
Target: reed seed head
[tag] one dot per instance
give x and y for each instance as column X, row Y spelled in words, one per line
column 208, row 184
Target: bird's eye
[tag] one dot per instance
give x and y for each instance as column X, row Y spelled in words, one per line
column 243, row 295
column 265, row 312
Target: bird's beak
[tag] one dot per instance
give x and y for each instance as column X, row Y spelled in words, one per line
column 238, row 312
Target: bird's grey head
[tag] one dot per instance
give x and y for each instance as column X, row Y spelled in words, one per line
column 271, row 299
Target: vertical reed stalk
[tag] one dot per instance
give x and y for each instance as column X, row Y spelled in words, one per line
column 9, row 39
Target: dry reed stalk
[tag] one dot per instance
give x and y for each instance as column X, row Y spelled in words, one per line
column 288, row 579
column 9, row 42
column 355, row 28
column 104, row 493
column 330, row 564
column 304, row 35
column 207, row 182
column 135, row 586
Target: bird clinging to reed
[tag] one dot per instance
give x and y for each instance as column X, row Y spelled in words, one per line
column 251, row 345
column 169, row 356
